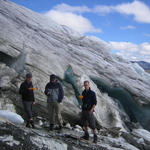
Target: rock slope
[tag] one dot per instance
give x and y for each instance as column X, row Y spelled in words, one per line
column 17, row 137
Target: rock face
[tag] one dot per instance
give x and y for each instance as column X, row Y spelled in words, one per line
column 30, row 42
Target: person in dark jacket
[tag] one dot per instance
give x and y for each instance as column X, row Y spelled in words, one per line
column 55, row 94
column 26, row 91
column 88, row 104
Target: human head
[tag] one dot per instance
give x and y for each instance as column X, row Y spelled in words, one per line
column 29, row 77
column 52, row 78
column 86, row 85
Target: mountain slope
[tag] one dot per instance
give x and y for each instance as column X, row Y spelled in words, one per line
column 143, row 64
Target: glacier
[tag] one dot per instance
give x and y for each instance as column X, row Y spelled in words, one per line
column 31, row 42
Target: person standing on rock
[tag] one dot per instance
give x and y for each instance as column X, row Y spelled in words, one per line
column 55, row 94
column 89, row 102
column 26, row 90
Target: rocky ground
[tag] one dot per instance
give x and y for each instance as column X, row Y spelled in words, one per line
column 18, row 137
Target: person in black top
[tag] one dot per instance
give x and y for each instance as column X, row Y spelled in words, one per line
column 26, row 91
column 88, row 104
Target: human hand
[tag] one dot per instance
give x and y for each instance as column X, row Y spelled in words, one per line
column 33, row 103
column 48, row 93
column 34, row 89
column 80, row 97
column 90, row 111
column 30, row 88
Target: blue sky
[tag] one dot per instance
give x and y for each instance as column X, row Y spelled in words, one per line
column 123, row 24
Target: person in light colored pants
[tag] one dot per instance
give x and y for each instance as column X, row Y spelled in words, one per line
column 55, row 94
column 54, row 112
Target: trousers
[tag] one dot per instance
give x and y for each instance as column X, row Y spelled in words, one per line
column 88, row 119
column 28, row 109
column 54, row 113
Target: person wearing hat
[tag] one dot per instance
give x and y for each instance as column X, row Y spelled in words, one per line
column 55, row 94
column 26, row 91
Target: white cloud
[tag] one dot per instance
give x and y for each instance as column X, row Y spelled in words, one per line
column 67, row 8
column 71, row 16
column 133, row 58
column 103, row 9
column 145, row 48
column 124, row 46
column 139, row 10
column 127, row 27
column 74, row 21
column 132, row 51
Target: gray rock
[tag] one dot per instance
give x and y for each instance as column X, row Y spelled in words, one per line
column 68, row 126
column 18, row 137
column 134, row 141
column 6, row 76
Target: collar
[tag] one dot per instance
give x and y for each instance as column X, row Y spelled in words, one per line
column 27, row 82
column 88, row 90
column 53, row 83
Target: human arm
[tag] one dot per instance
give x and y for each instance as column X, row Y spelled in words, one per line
column 23, row 89
column 46, row 90
column 94, row 102
column 61, row 94
column 32, row 91
column 92, row 109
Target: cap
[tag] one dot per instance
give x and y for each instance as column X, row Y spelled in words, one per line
column 52, row 77
column 28, row 75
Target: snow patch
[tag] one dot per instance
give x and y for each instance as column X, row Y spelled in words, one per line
column 11, row 116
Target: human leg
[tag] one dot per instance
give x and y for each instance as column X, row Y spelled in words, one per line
column 84, row 121
column 28, row 110
column 58, row 114
column 51, row 114
column 92, row 124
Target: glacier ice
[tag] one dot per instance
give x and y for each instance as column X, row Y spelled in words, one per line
column 11, row 116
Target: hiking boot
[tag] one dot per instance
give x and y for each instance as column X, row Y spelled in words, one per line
column 85, row 136
column 28, row 124
column 32, row 124
column 95, row 138
column 51, row 128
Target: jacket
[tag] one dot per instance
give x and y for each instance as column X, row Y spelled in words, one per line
column 56, row 92
column 89, row 99
column 27, row 95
